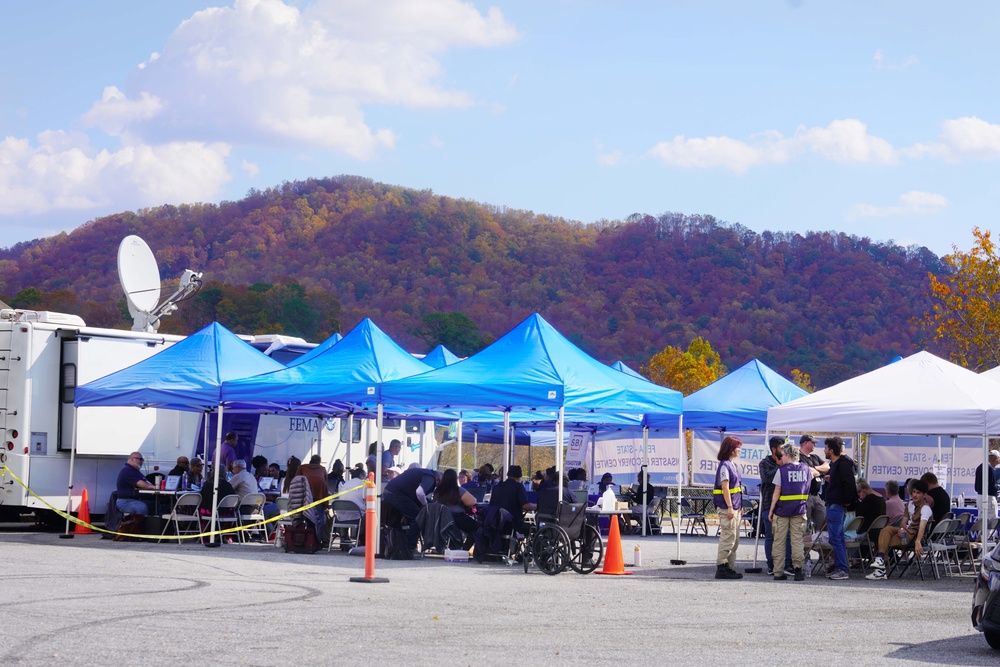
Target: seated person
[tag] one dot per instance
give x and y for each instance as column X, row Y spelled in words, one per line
column 130, row 480
column 606, row 481
column 274, row 471
column 242, row 481
column 196, row 473
column 937, row 497
column 459, row 502
column 511, row 496
column 354, row 489
column 208, row 493
column 183, row 466
column 335, row 479
column 871, row 505
column 894, row 506
column 577, row 479
column 316, row 474
column 548, row 493
column 300, row 495
column 465, row 479
column 915, row 519
column 536, row 480
column 641, row 493
column 259, row 466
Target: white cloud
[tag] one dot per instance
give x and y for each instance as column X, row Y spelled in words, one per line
column 844, row 141
column 63, row 172
column 266, row 72
column 250, row 168
column 113, row 112
column 914, row 202
column 967, row 138
column 608, row 158
column 883, row 62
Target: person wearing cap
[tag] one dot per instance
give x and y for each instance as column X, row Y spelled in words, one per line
column 130, row 480
column 728, row 498
column 815, row 507
column 393, row 473
column 991, row 482
column 511, row 496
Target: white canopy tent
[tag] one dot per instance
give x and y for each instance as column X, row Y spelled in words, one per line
column 919, row 395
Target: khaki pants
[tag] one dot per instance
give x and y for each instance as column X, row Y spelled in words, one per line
column 729, row 537
column 782, row 525
column 888, row 537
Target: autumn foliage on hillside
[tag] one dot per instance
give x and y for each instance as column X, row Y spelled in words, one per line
column 339, row 249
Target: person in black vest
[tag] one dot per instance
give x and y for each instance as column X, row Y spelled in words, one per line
column 788, row 509
column 404, row 496
column 728, row 499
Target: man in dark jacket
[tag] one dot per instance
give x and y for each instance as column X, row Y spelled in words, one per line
column 404, row 496
column 841, row 493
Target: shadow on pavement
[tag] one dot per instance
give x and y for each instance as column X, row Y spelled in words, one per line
column 965, row 650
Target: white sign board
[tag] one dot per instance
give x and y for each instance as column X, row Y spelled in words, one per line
column 576, row 454
column 902, row 457
column 620, row 453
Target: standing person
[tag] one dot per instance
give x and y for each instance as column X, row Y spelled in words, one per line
column 991, row 483
column 767, row 468
column 788, row 509
column 815, row 507
column 937, row 497
column 228, row 452
column 728, row 498
column 390, row 457
column 841, row 493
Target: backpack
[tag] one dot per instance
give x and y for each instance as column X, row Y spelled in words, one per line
column 395, row 545
column 301, row 538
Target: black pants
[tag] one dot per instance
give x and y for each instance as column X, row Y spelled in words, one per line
column 395, row 508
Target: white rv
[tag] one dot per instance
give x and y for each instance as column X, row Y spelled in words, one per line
column 45, row 355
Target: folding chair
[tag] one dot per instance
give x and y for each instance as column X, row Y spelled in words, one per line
column 654, row 520
column 942, row 542
column 251, row 511
column 905, row 555
column 228, row 512
column 185, row 511
column 694, row 518
column 853, row 545
column 867, row 548
column 967, row 545
column 281, row 524
column 346, row 518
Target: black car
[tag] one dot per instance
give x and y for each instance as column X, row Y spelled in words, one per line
column 986, row 599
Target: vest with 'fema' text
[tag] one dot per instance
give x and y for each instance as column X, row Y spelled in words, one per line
column 735, row 486
column 795, row 481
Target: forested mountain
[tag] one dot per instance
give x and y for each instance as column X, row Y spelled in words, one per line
column 314, row 257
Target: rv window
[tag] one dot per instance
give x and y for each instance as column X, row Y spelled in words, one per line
column 414, row 426
column 67, row 391
column 390, row 423
column 355, row 436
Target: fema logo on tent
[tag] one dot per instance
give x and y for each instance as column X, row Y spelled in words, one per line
column 331, row 423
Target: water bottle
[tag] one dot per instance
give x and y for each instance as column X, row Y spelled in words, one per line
column 809, row 568
column 608, row 500
column 184, row 482
column 961, row 499
column 638, row 556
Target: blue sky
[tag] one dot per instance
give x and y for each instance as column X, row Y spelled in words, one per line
column 879, row 119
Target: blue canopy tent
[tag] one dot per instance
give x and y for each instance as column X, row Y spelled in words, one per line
column 621, row 366
column 533, row 368
column 186, row 376
column 440, row 357
column 316, row 351
column 737, row 401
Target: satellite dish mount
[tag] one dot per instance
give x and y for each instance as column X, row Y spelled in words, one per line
column 140, row 280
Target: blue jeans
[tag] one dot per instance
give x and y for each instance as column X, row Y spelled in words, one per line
column 769, row 542
column 835, row 528
column 132, row 506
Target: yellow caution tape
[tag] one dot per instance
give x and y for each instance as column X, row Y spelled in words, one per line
column 4, row 470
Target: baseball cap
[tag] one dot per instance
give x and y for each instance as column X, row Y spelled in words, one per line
column 806, row 438
column 995, row 452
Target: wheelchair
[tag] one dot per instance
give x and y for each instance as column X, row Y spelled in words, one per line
column 563, row 540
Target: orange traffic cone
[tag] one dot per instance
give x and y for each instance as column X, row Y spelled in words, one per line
column 83, row 515
column 614, row 562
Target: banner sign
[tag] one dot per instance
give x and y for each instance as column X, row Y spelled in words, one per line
column 577, row 451
column 705, row 452
column 903, row 457
column 620, row 453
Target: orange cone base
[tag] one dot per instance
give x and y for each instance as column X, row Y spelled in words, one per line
column 366, row 580
column 614, row 562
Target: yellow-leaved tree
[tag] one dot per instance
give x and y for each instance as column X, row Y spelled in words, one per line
column 965, row 318
column 686, row 371
column 802, row 379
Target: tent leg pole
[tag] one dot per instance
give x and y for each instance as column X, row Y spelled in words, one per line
column 69, row 489
column 215, row 483
column 753, row 569
column 681, row 473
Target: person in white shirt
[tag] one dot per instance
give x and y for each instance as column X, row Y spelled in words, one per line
column 915, row 519
column 242, row 481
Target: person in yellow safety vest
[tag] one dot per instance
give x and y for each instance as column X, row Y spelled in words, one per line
column 728, row 498
column 788, row 509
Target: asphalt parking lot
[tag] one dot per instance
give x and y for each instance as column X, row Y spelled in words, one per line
column 94, row 601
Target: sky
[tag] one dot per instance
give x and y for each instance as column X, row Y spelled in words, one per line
column 874, row 118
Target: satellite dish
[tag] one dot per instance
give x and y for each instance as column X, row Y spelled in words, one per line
column 140, row 280
column 139, row 275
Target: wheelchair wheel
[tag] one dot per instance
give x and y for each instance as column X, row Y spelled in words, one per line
column 589, row 550
column 550, row 549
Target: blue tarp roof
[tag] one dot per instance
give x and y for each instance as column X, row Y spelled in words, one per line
column 440, row 357
column 532, row 366
column 738, row 401
column 316, row 351
column 344, row 375
column 185, row 376
column 621, row 366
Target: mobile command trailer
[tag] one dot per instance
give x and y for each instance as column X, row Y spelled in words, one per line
column 45, row 355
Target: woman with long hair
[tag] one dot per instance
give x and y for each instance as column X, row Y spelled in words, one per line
column 728, row 498
column 292, row 470
column 457, row 500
